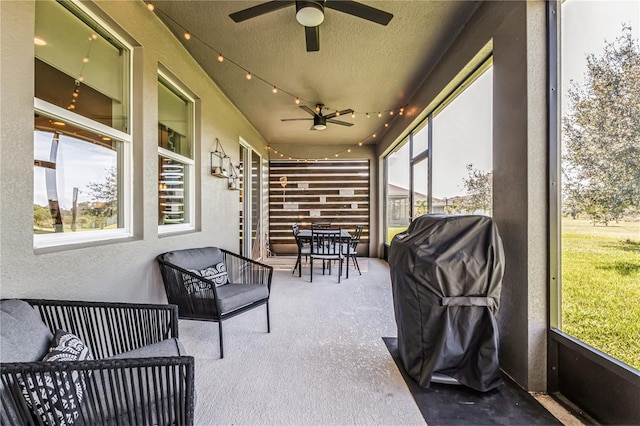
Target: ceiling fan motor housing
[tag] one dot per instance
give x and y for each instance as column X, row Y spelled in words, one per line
column 319, row 122
column 309, row 13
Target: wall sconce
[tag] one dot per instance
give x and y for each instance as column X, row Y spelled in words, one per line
column 219, row 160
column 234, row 177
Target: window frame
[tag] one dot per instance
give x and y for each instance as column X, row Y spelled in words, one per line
column 174, row 85
column 125, row 157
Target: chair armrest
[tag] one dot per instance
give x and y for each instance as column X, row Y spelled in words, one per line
column 130, row 391
column 243, row 270
column 110, row 328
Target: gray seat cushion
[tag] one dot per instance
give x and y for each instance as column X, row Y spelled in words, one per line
column 195, row 258
column 234, row 296
column 167, row 347
column 23, row 335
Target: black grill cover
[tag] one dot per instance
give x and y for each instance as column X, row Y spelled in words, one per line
column 446, row 273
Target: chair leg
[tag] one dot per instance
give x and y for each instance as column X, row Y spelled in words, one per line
column 355, row 260
column 339, row 270
column 296, row 265
column 220, row 334
column 268, row 321
column 311, row 268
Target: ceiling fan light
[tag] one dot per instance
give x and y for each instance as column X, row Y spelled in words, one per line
column 309, row 14
column 319, row 126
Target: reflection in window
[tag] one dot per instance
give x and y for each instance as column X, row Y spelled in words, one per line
column 75, row 179
column 80, row 67
column 397, row 192
column 175, row 151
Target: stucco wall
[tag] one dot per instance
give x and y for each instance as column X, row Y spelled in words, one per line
column 517, row 30
column 125, row 270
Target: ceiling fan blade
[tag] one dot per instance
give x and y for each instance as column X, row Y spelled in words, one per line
column 312, row 34
column 260, row 9
column 295, row 119
column 342, row 123
column 335, row 114
column 308, row 110
column 361, row 11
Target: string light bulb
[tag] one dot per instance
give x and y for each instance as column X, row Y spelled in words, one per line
column 275, row 89
column 359, row 143
column 391, row 112
column 220, row 57
column 337, row 113
column 386, row 124
column 379, row 114
column 349, row 150
column 368, row 116
column 187, row 35
column 401, row 111
column 150, row 6
column 249, row 75
column 85, row 59
column 297, row 101
column 353, row 115
column 374, row 135
column 317, row 108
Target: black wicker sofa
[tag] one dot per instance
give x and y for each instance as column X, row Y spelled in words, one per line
column 121, row 363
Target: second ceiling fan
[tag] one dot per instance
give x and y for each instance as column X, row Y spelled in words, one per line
column 310, row 14
column 320, row 121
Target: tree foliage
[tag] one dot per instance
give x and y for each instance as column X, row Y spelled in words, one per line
column 478, row 186
column 104, row 194
column 601, row 135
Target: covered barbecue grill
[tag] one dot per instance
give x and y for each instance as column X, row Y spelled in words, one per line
column 446, row 273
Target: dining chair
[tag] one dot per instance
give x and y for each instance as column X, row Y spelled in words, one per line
column 326, row 245
column 351, row 249
column 304, row 248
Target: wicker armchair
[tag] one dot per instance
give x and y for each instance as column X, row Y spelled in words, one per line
column 119, row 386
column 212, row 284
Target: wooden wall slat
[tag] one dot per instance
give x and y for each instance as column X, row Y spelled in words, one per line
column 343, row 184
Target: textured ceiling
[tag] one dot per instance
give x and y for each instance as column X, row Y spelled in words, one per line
column 361, row 65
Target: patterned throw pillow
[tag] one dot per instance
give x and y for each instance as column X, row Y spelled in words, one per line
column 216, row 273
column 59, row 402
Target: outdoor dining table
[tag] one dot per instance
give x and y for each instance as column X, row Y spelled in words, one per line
column 305, row 235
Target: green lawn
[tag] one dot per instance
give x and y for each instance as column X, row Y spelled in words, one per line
column 601, row 287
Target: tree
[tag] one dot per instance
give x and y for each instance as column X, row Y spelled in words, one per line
column 479, row 188
column 601, row 134
column 104, row 196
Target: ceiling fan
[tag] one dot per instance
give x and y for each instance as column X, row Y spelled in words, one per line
column 320, row 121
column 310, row 14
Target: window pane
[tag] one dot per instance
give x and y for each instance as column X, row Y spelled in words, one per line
column 174, row 121
column 171, row 190
column 421, row 139
column 420, row 188
column 76, row 184
column 175, row 124
column 79, row 67
column 462, row 151
column 397, row 165
column 600, row 142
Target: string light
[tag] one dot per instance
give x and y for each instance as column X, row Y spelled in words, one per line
column 249, row 75
column 85, row 59
column 386, row 124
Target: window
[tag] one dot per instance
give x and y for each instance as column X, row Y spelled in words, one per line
column 175, row 157
column 450, row 166
column 462, row 148
column 397, row 190
column 82, row 140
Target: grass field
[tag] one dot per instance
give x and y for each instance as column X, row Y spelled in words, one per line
column 601, row 287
